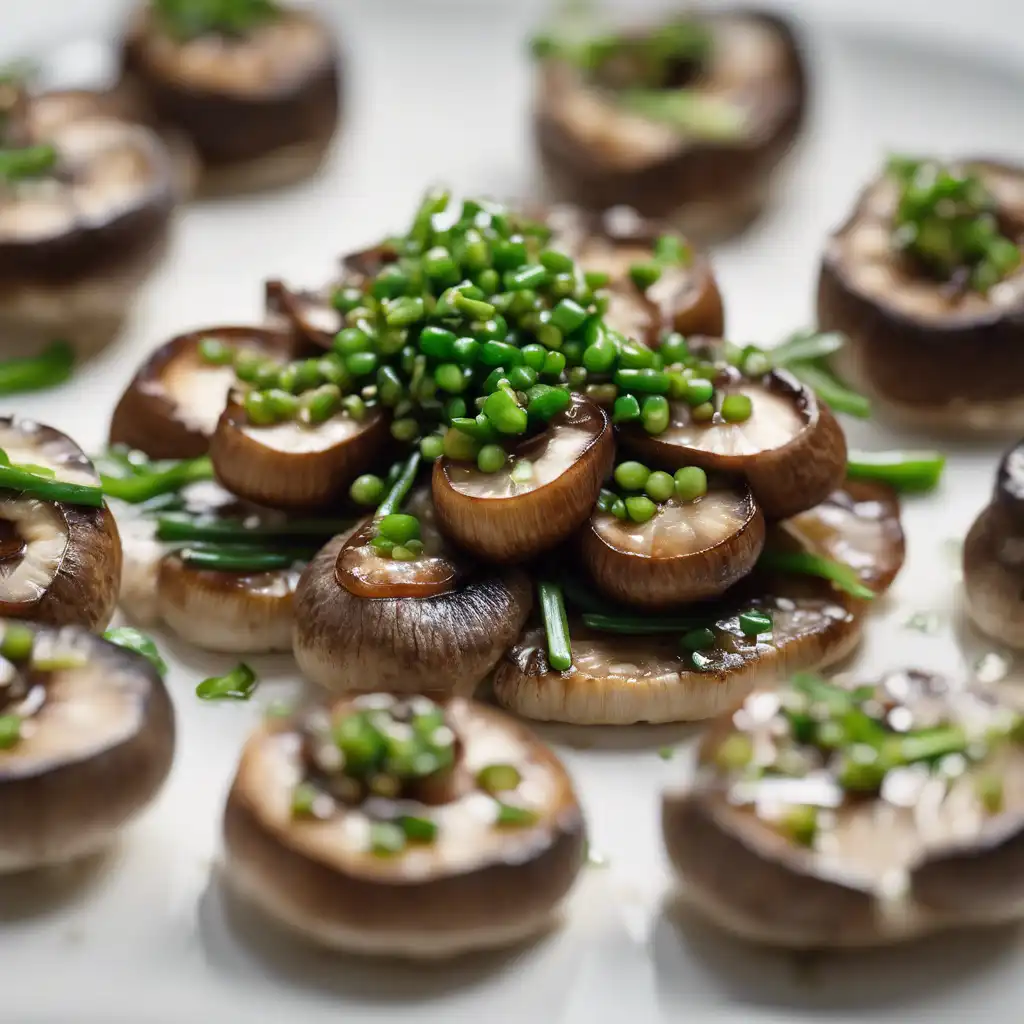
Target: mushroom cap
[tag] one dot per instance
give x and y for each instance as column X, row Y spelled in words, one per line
column 1009, row 493
column 95, row 753
column 886, row 871
column 67, row 570
column 930, row 356
column 171, row 406
column 600, row 156
column 474, row 887
column 993, row 566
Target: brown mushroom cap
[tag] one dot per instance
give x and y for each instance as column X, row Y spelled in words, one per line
column 598, row 155
column 503, row 521
column 689, row 551
column 930, row 355
column 476, row 886
column 59, row 563
column 95, row 753
column 171, row 407
column 926, row 856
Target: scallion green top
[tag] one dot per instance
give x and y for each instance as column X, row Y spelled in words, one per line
column 188, row 19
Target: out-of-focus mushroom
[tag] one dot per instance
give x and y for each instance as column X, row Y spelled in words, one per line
column 934, row 323
column 397, row 827
column 257, row 93
column 687, row 120
column 994, row 557
column 171, row 407
column 60, row 560
column 805, row 826
column 86, row 741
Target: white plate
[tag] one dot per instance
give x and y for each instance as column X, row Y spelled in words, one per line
column 440, row 93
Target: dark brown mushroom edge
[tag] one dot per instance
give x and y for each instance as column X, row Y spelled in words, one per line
column 404, row 828
column 841, row 815
column 171, row 406
column 925, row 279
column 60, row 553
column 685, row 120
column 257, row 92
column 85, row 212
column 86, row 742
column 993, row 559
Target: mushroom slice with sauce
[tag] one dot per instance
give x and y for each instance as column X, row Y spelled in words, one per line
column 689, row 551
column 59, row 563
column 993, row 557
column 697, row 139
column 825, row 816
column 395, row 827
column 436, row 624
column 543, row 494
column 171, row 407
column 87, row 742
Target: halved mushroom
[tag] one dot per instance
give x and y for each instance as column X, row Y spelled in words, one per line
column 261, row 105
column 791, row 450
column 59, row 563
column 622, row 680
column 543, row 495
column 689, row 551
column 171, row 407
column 994, row 557
column 696, row 139
column 294, row 465
column 826, row 816
column 436, row 624
column 87, row 742
column 80, row 229
column 470, row 845
column 931, row 352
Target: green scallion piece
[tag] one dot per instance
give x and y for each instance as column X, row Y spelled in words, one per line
column 803, row 563
column 238, row 684
column 556, row 625
column 135, row 640
column 51, row 367
column 911, row 472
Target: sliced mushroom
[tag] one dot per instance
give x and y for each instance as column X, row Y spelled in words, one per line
column 994, row 557
column 689, row 551
column 475, row 884
column 433, row 625
column 293, row 465
column 261, row 107
column 171, row 407
column 96, row 744
column 931, row 354
column 791, row 450
column 622, row 680
column 784, row 839
column 59, row 563
column 598, row 152
column 501, row 519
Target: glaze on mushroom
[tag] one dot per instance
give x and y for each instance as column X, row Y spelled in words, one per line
column 696, row 140
column 60, row 563
column 824, row 815
column 86, row 742
column 453, row 830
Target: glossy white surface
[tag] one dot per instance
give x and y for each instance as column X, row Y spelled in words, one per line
column 148, row 936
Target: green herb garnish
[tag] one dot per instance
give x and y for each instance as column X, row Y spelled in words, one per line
column 238, row 684
column 137, row 641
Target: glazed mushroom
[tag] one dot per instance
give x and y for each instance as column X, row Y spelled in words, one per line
column 538, row 498
column 687, row 120
column 60, row 558
column 827, row 815
column 171, row 407
column 994, row 557
column 931, row 295
column 257, row 93
column 85, row 212
column 433, row 624
column 398, row 827
column 86, row 742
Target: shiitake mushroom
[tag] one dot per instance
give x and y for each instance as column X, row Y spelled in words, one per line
column 87, row 740
column 695, row 137
column 60, row 563
column 798, row 833
column 406, row 867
